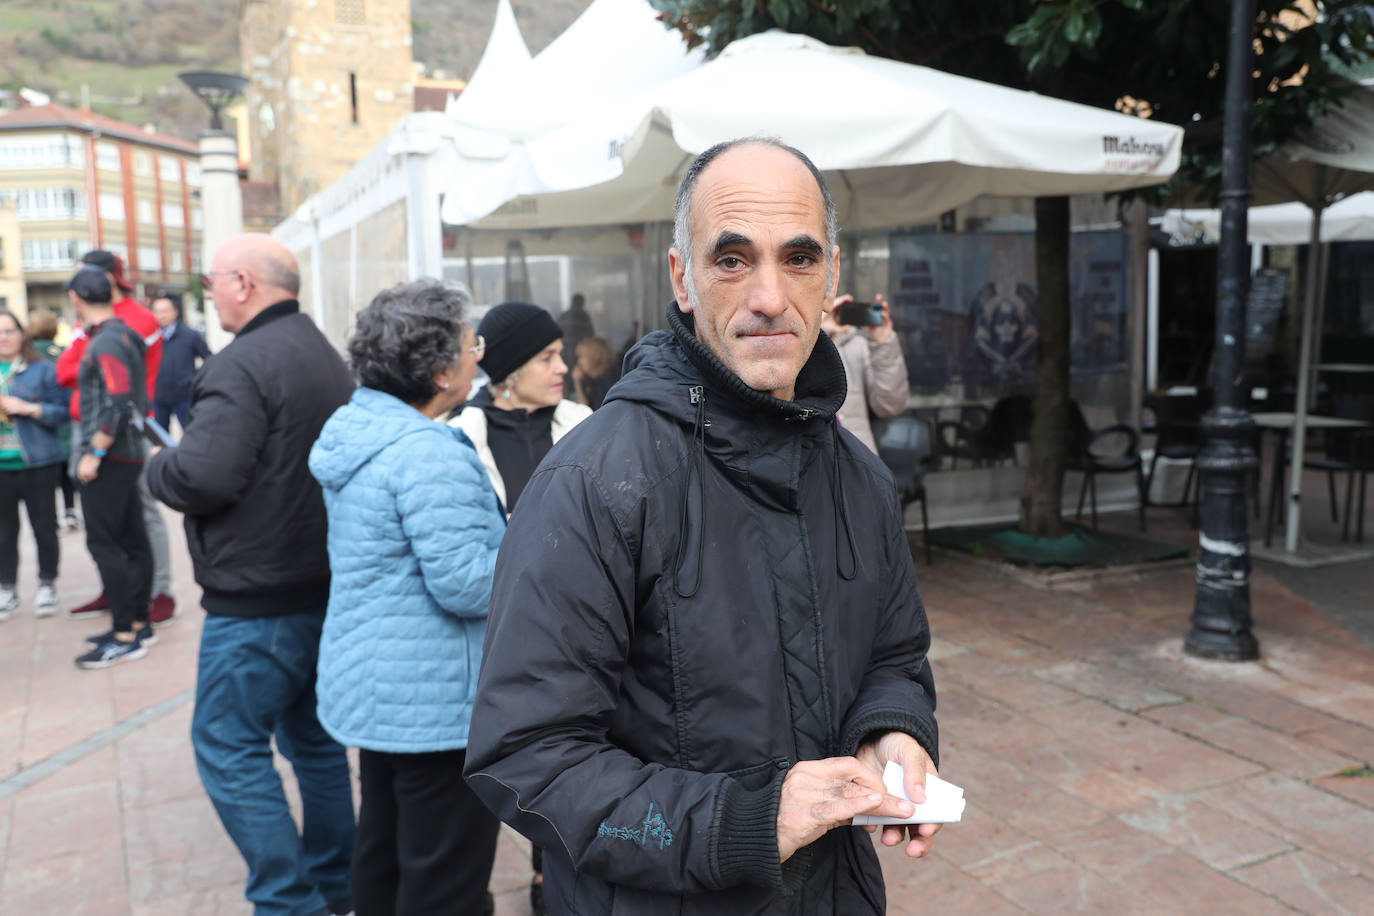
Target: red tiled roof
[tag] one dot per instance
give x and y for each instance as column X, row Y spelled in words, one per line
column 31, row 116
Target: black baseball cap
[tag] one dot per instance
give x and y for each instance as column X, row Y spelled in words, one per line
column 91, row 284
column 111, row 263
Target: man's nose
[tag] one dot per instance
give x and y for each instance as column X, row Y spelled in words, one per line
column 767, row 293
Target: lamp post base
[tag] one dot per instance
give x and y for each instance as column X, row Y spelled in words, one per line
column 1221, row 646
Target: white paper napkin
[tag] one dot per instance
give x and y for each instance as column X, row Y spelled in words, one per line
column 944, row 802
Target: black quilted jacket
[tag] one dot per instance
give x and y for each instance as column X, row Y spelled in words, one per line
column 701, row 586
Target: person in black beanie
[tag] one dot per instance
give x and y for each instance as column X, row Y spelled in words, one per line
column 517, row 418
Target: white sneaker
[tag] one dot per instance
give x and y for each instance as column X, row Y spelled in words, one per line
column 8, row 602
column 45, row 601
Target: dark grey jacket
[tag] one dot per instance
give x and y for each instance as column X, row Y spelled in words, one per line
column 701, row 586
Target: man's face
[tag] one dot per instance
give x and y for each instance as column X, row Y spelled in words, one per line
column 164, row 312
column 759, row 262
column 227, row 291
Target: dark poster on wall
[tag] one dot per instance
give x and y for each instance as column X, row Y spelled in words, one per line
column 966, row 308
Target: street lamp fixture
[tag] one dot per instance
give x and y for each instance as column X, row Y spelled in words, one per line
column 216, row 90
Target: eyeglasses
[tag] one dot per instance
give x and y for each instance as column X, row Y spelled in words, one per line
column 208, row 280
column 479, row 348
column 10, row 332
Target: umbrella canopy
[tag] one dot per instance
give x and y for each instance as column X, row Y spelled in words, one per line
column 902, row 143
column 1348, row 220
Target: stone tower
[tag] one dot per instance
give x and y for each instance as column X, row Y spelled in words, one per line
column 328, row 80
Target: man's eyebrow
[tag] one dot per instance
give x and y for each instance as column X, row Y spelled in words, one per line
column 729, row 239
column 804, row 243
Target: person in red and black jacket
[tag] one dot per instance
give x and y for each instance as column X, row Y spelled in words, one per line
column 141, row 321
column 110, row 386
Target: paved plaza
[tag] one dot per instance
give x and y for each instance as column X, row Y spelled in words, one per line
column 1105, row 771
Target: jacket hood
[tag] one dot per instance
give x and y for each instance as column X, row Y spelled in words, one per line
column 358, row 431
column 661, row 367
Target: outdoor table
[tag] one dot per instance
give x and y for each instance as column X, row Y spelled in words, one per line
column 1281, row 422
column 1345, row 367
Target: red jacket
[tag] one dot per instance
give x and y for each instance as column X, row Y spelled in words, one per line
column 143, row 324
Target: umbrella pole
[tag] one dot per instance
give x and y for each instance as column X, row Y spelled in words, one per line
column 1299, row 431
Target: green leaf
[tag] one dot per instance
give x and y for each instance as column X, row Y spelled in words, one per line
column 1073, row 25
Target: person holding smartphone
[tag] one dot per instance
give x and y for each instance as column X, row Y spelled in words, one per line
column 873, row 363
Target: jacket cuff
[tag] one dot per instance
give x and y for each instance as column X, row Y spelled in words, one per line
column 747, row 840
column 924, row 730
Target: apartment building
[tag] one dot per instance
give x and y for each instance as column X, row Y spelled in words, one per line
column 79, row 180
column 13, row 296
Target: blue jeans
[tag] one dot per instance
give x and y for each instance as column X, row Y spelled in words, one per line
column 257, row 682
column 164, row 410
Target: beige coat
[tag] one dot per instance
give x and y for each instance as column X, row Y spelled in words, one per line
column 876, row 373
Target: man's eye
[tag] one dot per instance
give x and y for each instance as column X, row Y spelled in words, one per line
column 801, row 260
column 730, row 262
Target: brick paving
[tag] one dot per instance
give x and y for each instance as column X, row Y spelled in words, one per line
column 1106, row 771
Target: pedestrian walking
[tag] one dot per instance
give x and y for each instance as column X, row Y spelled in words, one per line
column 414, row 527
column 707, row 643
column 515, row 419
column 43, row 331
column 33, row 411
column 128, row 310
column 181, row 347
column 255, row 525
column 110, row 386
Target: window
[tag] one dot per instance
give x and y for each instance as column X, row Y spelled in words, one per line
column 42, row 151
column 167, row 169
column 107, row 157
column 149, row 257
column 145, row 211
column 172, row 216
column 175, row 260
column 142, row 164
column 112, row 206
column 51, row 254
column 47, row 204
column 195, row 262
column 197, row 219
column 193, row 174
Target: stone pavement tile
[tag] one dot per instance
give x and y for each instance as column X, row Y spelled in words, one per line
column 1110, row 848
column 6, row 805
column 1180, row 884
column 918, row 887
column 1310, row 884
column 1358, row 789
column 1244, row 738
column 1355, row 708
column 943, row 648
column 157, row 763
column 1218, row 839
column 967, row 717
column 1346, row 738
column 1084, row 774
column 89, row 882
column 1069, row 889
column 1335, row 827
column 1046, row 811
column 1268, row 708
column 175, row 848
column 1120, row 689
column 981, row 837
column 512, row 870
column 49, row 822
column 217, row 901
column 1025, row 692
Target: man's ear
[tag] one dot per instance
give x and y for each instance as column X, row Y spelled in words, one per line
column 834, row 274
column 677, row 272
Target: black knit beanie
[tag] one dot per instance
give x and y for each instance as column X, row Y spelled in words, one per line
column 515, row 332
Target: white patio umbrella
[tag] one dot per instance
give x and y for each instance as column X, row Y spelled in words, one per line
column 902, row 143
column 1333, row 159
column 1350, row 219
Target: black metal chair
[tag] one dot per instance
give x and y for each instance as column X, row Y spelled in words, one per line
column 1112, row 450
column 905, row 445
column 1178, row 437
column 1361, row 463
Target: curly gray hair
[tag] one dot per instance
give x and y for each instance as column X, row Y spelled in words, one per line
column 406, row 335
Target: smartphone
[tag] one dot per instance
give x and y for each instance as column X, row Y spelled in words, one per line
column 860, row 314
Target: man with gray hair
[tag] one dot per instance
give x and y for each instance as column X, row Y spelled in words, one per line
column 705, row 641
column 255, row 525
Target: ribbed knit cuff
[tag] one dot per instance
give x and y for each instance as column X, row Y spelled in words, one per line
column 747, row 841
column 893, row 720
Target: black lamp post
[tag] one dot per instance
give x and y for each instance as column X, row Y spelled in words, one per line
column 216, row 90
column 1221, row 614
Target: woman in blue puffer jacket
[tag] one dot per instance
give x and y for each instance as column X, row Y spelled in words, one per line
column 414, row 528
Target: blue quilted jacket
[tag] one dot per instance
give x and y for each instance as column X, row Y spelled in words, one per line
column 413, row 531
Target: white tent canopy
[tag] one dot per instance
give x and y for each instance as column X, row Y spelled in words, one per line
column 902, row 143
column 1347, row 220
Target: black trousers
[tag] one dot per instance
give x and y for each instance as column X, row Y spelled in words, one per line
column 425, row 843
column 68, row 484
column 118, row 542
column 36, row 488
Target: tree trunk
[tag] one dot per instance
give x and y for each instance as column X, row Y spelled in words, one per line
column 1044, row 486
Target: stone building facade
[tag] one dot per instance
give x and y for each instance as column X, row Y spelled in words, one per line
column 327, row 80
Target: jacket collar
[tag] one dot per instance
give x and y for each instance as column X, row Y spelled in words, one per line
column 270, row 314
column 820, row 388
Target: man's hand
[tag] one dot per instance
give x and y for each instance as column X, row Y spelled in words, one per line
column 818, row 795
column 16, row 407
column 87, row 468
column 903, row 749
column 883, row 332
